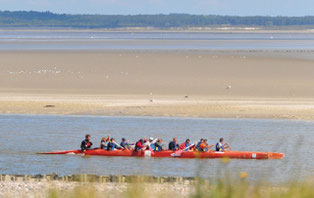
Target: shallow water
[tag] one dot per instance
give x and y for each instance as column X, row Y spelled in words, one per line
column 71, row 40
column 24, row 135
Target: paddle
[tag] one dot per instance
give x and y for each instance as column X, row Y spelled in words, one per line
column 121, row 147
column 118, row 146
column 179, row 152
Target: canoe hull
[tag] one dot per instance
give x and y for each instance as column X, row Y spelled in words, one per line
column 170, row 154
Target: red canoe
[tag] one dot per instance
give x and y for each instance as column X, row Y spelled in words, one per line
column 170, row 154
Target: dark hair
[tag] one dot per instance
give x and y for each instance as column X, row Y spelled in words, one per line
column 87, row 135
column 221, row 139
column 201, row 139
column 205, row 140
column 141, row 140
column 123, row 139
column 187, row 140
column 112, row 139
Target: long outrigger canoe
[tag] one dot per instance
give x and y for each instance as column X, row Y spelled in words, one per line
column 172, row 154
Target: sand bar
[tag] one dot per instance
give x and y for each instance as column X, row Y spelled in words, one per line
column 193, row 84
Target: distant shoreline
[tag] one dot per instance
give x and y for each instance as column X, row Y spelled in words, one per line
column 159, row 21
column 209, row 29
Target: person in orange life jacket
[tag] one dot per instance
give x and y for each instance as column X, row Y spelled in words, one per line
column 139, row 145
column 185, row 145
column 204, row 147
column 173, row 145
column 221, row 146
column 197, row 147
column 86, row 144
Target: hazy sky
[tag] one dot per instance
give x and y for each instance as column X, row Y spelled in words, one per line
column 221, row 7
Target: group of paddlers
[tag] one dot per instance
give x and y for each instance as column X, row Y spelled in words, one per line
column 157, row 144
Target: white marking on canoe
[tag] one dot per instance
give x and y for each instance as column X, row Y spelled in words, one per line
column 147, row 153
column 71, row 153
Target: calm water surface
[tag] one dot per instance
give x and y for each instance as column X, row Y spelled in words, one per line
column 72, row 40
column 24, row 135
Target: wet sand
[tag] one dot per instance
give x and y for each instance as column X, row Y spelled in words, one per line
column 161, row 83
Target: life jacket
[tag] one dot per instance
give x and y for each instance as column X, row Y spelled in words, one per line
column 173, row 146
column 202, row 147
column 157, row 147
column 219, row 147
column 152, row 147
column 111, row 146
column 198, row 146
column 103, row 144
column 184, row 145
column 123, row 144
column 138, row 146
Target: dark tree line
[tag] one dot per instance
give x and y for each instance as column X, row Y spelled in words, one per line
column 48, row 19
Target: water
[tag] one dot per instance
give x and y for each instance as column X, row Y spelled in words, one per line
column 24, row 135
column 75, row 40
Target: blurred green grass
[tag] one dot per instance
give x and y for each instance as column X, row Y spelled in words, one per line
column 221, row 188
column 226, row 185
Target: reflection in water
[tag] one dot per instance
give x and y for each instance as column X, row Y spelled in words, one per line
column 23, row 135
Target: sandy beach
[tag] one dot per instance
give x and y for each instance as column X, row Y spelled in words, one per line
column 161, row 83
column 92, row 185
column 76, row 189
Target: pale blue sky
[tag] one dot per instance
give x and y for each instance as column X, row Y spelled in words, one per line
column 221, row 7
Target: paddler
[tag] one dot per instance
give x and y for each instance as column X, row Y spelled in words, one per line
column 198, row 145
column 124, row 143
column 158, row 145
column 139, row 145
column 86, row 144
column 112, row 145
column 221, row 146
column 149, row 144
column 185, row 145
column 152, row 142
column 173, row 145
column 204, row 147
column 145, row 143
column 104, row 142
